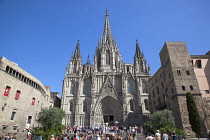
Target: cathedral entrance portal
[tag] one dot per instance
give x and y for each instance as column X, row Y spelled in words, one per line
column 111, row 111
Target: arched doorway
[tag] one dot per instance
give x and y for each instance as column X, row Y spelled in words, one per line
column 109, row 110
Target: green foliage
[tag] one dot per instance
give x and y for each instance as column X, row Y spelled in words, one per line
column 46, row 134
column 160, row 119
column 194, row 117
column 169, row 129
column 51, row 122
column 50, row 117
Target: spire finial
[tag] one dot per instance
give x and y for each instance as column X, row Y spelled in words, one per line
column 138, row 52
column 77, row 50
column 88, row 61
column 107, row 12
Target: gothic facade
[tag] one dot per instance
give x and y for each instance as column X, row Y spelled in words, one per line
column 107, row 91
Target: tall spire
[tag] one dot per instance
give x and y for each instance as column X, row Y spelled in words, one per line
column 107, row 37
column 77, row 50
column 107, row 30
column 138, row 52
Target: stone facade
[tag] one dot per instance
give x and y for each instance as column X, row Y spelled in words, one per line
column 109, row 91
column 22, row 98
column 170, row 83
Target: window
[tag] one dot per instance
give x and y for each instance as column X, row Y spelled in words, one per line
column 13, row 116
column 7, row 90
column 158, row 90
column 29, row 119
column 164, row 98
column 108, row 57
column 73, row 88
column 178, row 72
column 4, row 127
column 144, row 87
column 86, row 87
column 162, row 85
column 7, row 69
column 146, row 104
column 207, row 91
column 153, row 94
column 198, row 63
column 84, row 106
column 130, row 87
column 183, row 88
column 191, row 87
column 17, row 95
column 192, row 62
column 159, row 100
column 71, row 106
column 131, row 105
column 187, row 72
column 33, row 101
column 75, row 68
column 15, row 127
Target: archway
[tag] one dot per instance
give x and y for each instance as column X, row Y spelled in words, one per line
column 109, row 111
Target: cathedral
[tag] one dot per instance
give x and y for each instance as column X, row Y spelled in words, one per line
column 107, row 91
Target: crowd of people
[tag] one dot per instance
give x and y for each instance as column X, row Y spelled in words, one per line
column 99, row 133
column 161, row 136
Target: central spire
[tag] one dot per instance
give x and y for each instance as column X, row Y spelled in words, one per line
column 107, row 37
column 107, row 30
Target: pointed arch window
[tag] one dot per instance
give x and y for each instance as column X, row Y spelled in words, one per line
column 99, row 60
column 73, row 88
column 144, row 87
column 71, row 106
column 108, row 57
column 131, row 105
column 86, row 87
column 85, row 106
column 146, row 104
column 75, row 68
column 130, row 87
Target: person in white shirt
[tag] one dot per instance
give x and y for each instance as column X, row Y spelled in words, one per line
column 149, row 137
column 97, row 137
column 157, row 135
column 165, row 136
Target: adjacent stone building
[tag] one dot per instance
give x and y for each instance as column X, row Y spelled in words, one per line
column 169, row 85
column 22, row 98
column 201, row 64
column 107, row 91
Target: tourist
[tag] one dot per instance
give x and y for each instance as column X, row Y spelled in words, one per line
column 157, row 135
column 52, row 137
column 65, row 137
column 98, row 137
column 165, row 136
column 173, row 135
column 149, row 137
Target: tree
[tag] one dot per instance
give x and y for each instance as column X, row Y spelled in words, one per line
column 51, row 122
column 50, row 117
column 194, row 116
column 160, row 119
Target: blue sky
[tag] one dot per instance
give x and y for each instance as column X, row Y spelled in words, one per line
column 41, row 35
